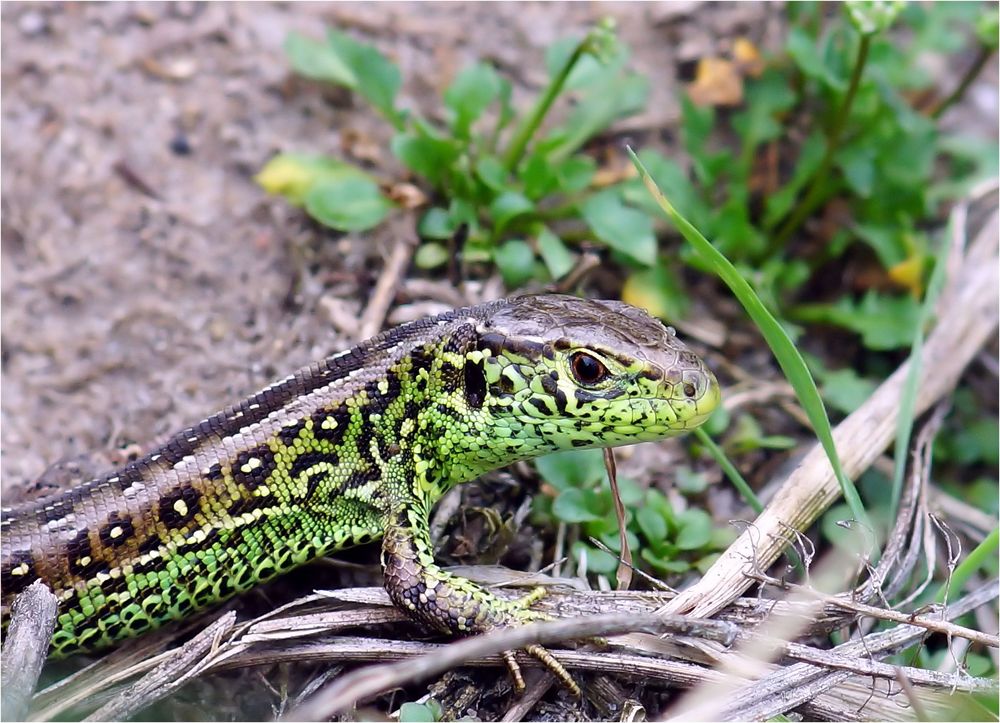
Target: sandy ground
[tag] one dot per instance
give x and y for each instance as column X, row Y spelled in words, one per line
column 146, row 280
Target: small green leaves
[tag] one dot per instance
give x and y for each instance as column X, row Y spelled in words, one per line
column 318, row 60
column 292, row 175
column 516, row 261
column 622, row 228
column 884, row 322
column 558, row 259
column 571, row 469
column 576, row 505
column 507, row 207
column 347, row 204
column 336, row 194
column 473, row 90
column 428, row 712
column 346, row 62
column 377, row 79
column 427, row 153
column 870, row 17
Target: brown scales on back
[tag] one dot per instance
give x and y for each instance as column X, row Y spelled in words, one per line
column 351, row 449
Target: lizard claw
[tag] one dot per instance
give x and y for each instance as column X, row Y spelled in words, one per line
column 520, row 611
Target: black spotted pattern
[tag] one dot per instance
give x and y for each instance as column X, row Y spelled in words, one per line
column 475, row 384
column 342, row 416
column 22, row 562
column 117, row 532
column 179, row 506
column 253, row 466
column 80, row 555
column 289, row 434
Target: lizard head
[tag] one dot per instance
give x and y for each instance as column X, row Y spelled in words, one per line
column 567, row 373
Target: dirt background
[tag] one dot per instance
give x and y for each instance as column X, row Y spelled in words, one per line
column 146, row 280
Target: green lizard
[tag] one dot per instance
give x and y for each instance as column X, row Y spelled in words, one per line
column 351, row 449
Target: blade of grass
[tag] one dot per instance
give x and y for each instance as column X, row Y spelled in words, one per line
column 785, row 351
column 730, row 470
column 908, row 401
column 974, row 561
column 594, row 43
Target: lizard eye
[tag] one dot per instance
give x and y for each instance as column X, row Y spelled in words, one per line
column 587, row 369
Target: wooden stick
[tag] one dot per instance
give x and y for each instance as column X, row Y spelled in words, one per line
column 966, row 322
column 32, row 619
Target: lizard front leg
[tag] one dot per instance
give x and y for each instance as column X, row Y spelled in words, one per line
column 446, row 602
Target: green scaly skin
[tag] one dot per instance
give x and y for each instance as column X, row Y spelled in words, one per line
column 351, row 449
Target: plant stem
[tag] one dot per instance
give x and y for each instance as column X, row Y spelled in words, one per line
column 815, row 192
column 971, row 74
column 976, row 559
column 530, row 124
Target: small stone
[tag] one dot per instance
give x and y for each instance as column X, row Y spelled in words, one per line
column 33, row 23
column 180, row 145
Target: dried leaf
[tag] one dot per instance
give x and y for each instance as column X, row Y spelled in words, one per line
column 748, row 58
column 717, row 83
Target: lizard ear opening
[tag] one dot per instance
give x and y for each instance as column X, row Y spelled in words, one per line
column 475, row 384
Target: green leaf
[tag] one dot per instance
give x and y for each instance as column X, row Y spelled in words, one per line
column 884, row 322
column 575, row 505
column 845, row 390
column 689, row 482
column 508, row 206
column 516, row 262
column 558, row 259
column 652, row 524
column 674, row 181
column 612, row 539
column 807, row 56
column 539, row 177
column 785, row 351
column 436, row 224
column 317, row 60
column 886, row 240
column 378, row 80
column 977, row 442
column 347, row 204
column 613, row 97
column 575, row 468
column 630, row 491
column 490, row 171
column 657, row 290
column 622, row 228
column 748, row 435
column 575, row 173
column 695, row 529
column 777, row 205
column 598, row 561
column 469, row 95
column 426, row 155
column 428, row 712
column 431, row 255
column 292, row 175
column 858, row 166
column 664, row 565
column 697, row 123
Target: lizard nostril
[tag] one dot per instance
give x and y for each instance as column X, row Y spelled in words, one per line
column 689, row 390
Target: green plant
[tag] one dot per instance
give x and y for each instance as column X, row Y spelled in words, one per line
column 491, row 169
column 861, row 149
column 666, row 541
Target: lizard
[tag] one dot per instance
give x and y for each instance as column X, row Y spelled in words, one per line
column 356, row 447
